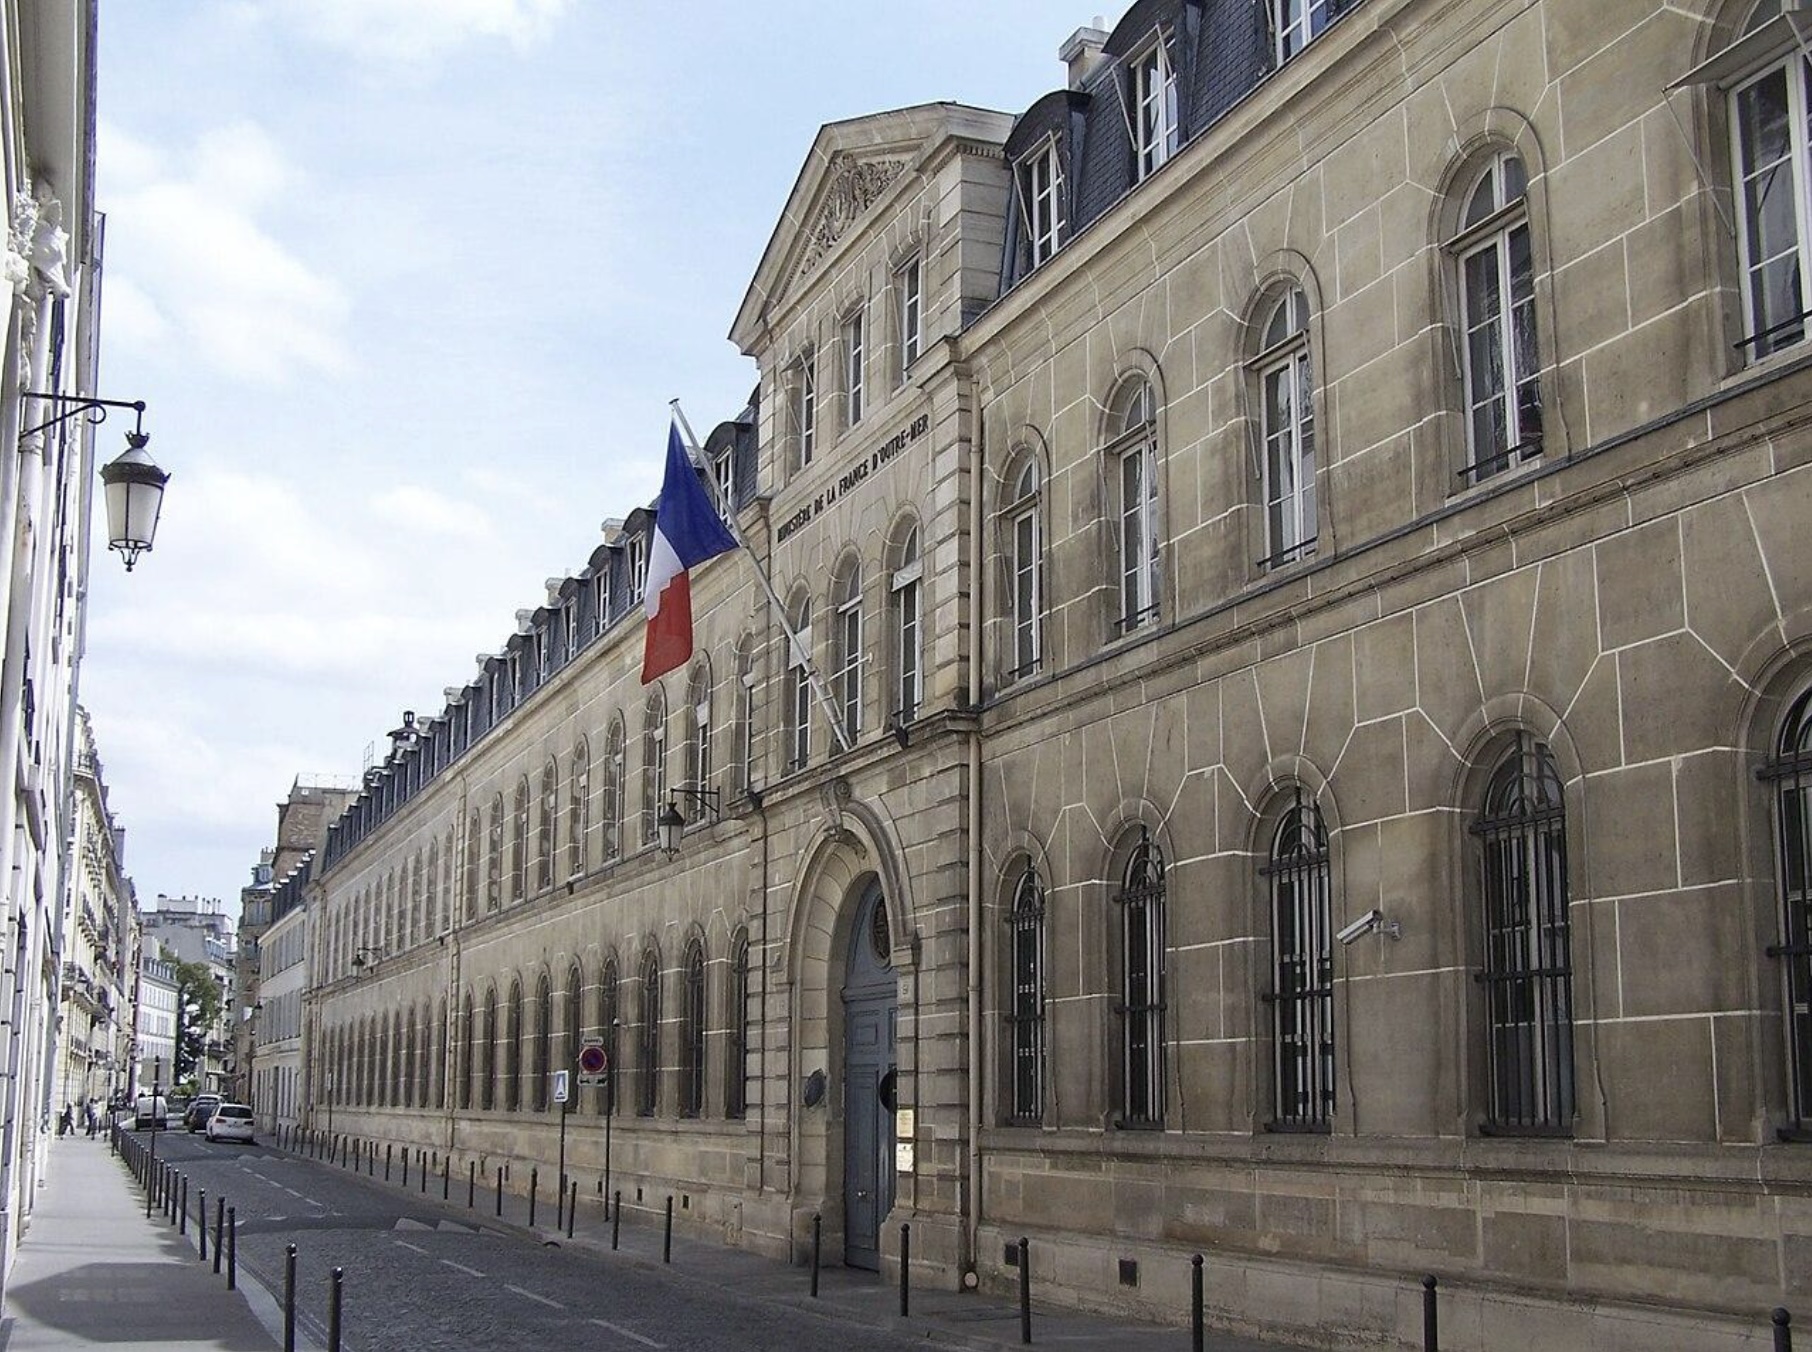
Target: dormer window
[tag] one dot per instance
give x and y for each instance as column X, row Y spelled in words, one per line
column 723, row 478
column 1296, row 23
column 1041, row 194
column 1155, row 104
column 638, row 564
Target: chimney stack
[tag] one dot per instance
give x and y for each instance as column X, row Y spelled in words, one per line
column 1082, row 52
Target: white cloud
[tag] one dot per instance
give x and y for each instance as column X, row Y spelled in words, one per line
column 419, row 30
column 187, row 249
column 424, row 510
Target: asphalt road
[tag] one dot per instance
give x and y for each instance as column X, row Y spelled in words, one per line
column 422, row 1276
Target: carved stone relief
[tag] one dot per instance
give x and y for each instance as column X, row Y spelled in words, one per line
column 854, row 188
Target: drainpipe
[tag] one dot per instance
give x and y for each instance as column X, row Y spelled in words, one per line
column 977, row 610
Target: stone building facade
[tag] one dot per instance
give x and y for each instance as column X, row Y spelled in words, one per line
column 1299, row 535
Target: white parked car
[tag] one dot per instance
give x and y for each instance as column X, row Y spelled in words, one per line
column 231, row 1122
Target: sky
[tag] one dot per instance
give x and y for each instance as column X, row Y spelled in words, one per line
column 406, row 286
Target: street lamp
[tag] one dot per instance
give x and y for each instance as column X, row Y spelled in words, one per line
column 671, row 824
column 134, row 483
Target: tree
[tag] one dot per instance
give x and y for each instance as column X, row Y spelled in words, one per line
column 197, row 1007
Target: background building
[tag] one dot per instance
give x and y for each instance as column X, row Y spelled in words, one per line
column 1297, row 744
column 156, row 1011
column 199, row 930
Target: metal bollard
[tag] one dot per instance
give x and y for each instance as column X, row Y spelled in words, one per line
column 500, row 1190
column 1783, row 1330
column 405, row 1167
column 446, row 1176
column 471, row 1183
column 232, row 1248
column 616, row 1217
column 1431, row 1316
column 387, row 1165
column 219, row 1230
column 534, row 1187
column 422, row 1172
column 289, row 1299
column 905, row 1270
column 1025, row 1291
column 1195, row 1303
column 572, row 1206
column 817, row 1249
column 182, row 1208
column 201, row 1224
column 333, row 1310
column 667, row 1242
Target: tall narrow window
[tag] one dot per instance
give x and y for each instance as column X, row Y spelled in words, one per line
column 654, row 762
column 846, row 633
column 612, row 795
column 543, row 1046
column 910, row 280
column 431, row 904
column 906, row 586
column 799, row 686
column 1528, row 975
column 1287, row 395
column 519, row 842
column 1041, row 202
column 692, row 1032
column 474, row 863
column 513, row 1050
column 807, row 409
column 487, row 1053
column 544, row 827
column 649, row 1052
column 1497, row 290
column 578, row 809
column 745, row 714
column 1025, row 569
column 493, row 896
column 638, row 566
column 736, row 1019
column 1294, row 24
column 698, row 731
column 571, row 1023
column 1302, row 992
column 1025, row 1020
column 1790, row 774
column 853, row 366
column 1142, row 948
column 1155, row 102
column 1133, row 453
column 1769, row 125
column 610, row 1021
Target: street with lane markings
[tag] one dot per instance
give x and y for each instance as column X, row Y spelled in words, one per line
column 427, row 1276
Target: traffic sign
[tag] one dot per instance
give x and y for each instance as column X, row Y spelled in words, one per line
column 560, row 1094
column 593, row 1060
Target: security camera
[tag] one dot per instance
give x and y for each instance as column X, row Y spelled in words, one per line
column 1365, row 924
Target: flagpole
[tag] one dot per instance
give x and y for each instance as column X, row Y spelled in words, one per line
column 724, row 512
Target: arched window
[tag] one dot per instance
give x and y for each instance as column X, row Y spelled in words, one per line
column 474, row 863
column 417, row 923
column 1497, row 314
column 846, row 644
column 543, row 1046
column 692, row 1032
column 612, row 795
column 799, row 683
column 512, row 1050
column 1142, row 952
column 1132, row 455
column 431, row 917
column 544, row 828
column 698, row 725
column 906, row 611
column 578, row 810
column 1023, row 532
column 571, row 1024
column 449, row 856
column 406, row 1070
column 1286, row 385
column 1025, row 1013
column 1528, row 974
column 736, row 1085
column 610, row 1022
column 519, row 842
column 493, row 883
column 437, row 1060
column 1302, row 993
column 487, row 1053
column 1789, row 772
column 745, row 713
column 649, row 1031
column 654, row 762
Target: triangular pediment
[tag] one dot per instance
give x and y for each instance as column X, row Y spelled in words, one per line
column 853, row 166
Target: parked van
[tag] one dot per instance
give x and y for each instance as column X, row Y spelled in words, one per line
column 150, row 1111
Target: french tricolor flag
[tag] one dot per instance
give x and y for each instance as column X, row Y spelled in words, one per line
column 687, row 531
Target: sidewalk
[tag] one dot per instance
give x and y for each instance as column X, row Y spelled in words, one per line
column 93, row 1271
column 985, row 1322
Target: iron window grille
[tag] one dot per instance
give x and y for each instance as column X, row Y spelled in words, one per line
column 1302, row 995
column 736, row 1098
column 692, row 1035
column 650, row 1049
column 1141, row 1008
column 1528, row 972
column 1789, row 774
column 1025, row 1020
